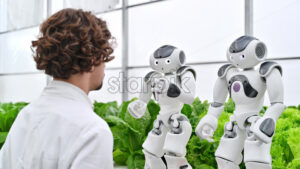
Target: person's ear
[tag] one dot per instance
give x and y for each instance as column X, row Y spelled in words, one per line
column 92, row 68
column 93, row 63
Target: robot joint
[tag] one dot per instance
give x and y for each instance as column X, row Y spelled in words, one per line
column 230, row 132
column 175, row 123
column 184, row 167
column 157, row 128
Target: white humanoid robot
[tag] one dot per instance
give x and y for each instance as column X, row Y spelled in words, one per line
column 172, row 85
column 246, row 130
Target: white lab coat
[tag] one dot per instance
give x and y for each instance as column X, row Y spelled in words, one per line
column 58, row 131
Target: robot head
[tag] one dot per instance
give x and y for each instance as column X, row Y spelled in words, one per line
column 246, row 52
column 167, row 59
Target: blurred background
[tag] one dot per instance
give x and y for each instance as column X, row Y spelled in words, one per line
column 204, row 29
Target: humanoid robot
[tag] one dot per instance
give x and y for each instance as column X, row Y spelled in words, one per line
column 246, row 130
column 172, row 85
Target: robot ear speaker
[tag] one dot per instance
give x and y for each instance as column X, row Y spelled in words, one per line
column 260, row 50
column 182, row 57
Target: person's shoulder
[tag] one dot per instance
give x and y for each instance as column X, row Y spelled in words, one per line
column 88, row 124
column 73, row 113
column 87, row 118
column 99, row 122
column 97, row 130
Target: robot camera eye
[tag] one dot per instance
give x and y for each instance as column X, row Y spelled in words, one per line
column 242, row 56
column 156, row 62
column 168, row 61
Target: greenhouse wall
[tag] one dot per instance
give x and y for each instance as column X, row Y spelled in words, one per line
column 203, row 29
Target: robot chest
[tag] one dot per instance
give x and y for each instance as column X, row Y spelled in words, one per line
column 163, row 83
column 241, row 86
column 172, row 78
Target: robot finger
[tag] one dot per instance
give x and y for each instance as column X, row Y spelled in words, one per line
column 198, row 133
column 137, row 106
column 156, row 80
column 132, row 112
column 208, row 133
column 208, row 130
column 209, row 139
column 205, row 132
column 199, row 130
column 156, row 90
column 152, row 84
column 164, row 81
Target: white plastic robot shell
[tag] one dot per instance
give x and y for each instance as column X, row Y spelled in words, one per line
column 171, row 131
column 167, row 59
column 267, row 67
column 246, row 52
column 247, row 86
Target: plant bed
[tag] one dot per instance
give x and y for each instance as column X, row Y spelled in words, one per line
column 130, row 133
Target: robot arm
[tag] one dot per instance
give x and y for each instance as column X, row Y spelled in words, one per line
column 264, row 127
column 185, row 93
column 138, row 107
column 146, row 94
column 275, row 91
column 208, row 124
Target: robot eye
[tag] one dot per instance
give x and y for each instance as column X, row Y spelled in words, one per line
column 168, row 61
column 242, row 56
column 156, row 62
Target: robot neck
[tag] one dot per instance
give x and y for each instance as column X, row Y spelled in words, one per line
column 170, row 73
column 250, row 68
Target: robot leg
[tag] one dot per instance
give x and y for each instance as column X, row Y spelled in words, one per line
column 153, row 162
column 229, row 153
column 257, row 165
column 225, row 164
column 176, row 141
column 256, row 153
column 153, row 146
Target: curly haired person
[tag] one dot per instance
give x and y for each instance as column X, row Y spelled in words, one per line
column 60, row 130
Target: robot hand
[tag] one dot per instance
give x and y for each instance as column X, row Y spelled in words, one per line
column 137, row 108
column 263, row 129
column 160, row 86
column 206, row 127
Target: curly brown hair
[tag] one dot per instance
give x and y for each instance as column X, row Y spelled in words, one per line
column 71, row 42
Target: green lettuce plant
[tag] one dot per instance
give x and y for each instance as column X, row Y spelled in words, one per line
column 8, row 114
column 130, row 133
